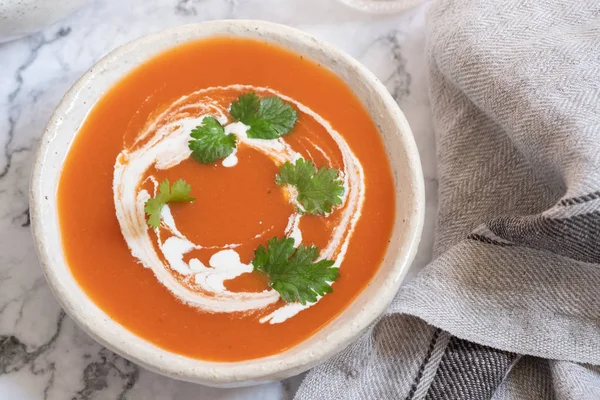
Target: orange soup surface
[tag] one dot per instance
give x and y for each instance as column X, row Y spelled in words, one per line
column 134, row 138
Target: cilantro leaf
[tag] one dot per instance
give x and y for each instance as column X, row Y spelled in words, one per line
column 318, row 191
column 292, row 272
column 244, row 108
column 210, row 143
column 178, row 192
column 267, row 117
column 275, row 118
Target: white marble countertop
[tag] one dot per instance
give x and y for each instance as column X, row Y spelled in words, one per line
column 43, row 355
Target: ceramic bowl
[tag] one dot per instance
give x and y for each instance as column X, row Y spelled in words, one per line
column 340, row 332
column 20, row 18
column 382, row 6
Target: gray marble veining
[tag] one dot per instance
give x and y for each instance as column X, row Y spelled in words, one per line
column 43, row 355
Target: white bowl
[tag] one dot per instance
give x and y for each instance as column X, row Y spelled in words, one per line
column 20, row 18
column 368, row 305
column 382, row 6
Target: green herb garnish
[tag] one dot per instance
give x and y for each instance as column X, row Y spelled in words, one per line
column 179, row 192
column 267, row 117
column 210, row 143
column 318, row 191
column 293, row 272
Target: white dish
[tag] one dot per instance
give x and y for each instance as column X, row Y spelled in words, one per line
column 382, row 6
column 19, row 18
column 368, row 305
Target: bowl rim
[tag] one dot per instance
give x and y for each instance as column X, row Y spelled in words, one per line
column 382, row 7
column 119, row 339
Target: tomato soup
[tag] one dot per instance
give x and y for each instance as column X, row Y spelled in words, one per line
column 226, row 199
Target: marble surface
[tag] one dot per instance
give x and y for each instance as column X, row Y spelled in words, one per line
column 43, row 355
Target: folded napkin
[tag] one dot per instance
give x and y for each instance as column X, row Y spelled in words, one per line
column 510, row 307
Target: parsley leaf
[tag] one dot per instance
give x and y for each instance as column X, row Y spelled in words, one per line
column 293, row 272
column 179, row 192
column 210, row 141
column 244, row 108
column 318, row 191
column 267, row 117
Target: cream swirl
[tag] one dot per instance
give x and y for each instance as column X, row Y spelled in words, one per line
column 163, row 144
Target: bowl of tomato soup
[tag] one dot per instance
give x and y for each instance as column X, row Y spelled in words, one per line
column 226, row 203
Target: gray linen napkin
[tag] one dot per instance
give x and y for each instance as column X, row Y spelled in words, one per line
column 510, row 308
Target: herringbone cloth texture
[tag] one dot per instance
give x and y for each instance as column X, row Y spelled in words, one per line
column 510, row 307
